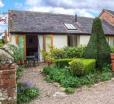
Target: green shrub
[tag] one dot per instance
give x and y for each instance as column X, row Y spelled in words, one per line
column 76, row 67
column 1, row 42
column 66, row 80
column 69, row 90
column 54, row 73
column 107, row 68
column 106, row 76
column 16, row 52
column 25, row 93
column 32, row 92
column 62, row 62
column 67, row 52
column 112, row 49
column 70, row 81
column 19, row 72
column 47, row 56
column 89, row 65
column 57, row 53
column 74, row 52
column 106, row 73
column 88, row 79
column 61, row 76
column 46, row 70
column 57, row 75
column 48, row 79
column 98, row 48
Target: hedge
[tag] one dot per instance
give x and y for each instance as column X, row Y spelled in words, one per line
column 89, row 64
column 62, row 62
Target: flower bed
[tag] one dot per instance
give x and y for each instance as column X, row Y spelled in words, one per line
column 66, row 79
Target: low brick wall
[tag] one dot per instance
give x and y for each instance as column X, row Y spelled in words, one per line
column 8, row 84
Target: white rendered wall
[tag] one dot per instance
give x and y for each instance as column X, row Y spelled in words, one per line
column 60, row 41
column 40, row 46
column 111, row 40
column 84, row 39
column 13, row 40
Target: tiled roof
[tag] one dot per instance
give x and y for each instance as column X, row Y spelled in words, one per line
column 36, row 22
column 110, row 11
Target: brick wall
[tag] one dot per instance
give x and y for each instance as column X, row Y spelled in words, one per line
column 8, row 84
column 107, row 17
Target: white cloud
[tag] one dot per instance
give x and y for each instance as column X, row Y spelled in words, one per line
column 5, row 17
column 33, row 2
column 3, row 25
column 1, row 3
column 88, row 8
column 60, row 10
column 53, row 10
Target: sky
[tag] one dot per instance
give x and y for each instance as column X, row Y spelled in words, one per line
column 86, row 8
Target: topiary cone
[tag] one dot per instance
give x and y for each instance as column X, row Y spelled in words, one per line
column 98, row 48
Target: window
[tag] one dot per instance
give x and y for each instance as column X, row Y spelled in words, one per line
column 70, row 26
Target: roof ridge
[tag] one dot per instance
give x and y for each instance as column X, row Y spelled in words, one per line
column 49, row 13
column 110, row 11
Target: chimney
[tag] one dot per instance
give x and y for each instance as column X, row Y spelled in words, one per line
column 75, row 17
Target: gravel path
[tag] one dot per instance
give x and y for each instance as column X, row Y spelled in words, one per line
column 102, row 93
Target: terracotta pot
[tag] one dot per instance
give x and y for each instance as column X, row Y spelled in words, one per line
column 22, row 62
column 19, row 62
column 49, row 62
column 112, row 56
column 112, row 61
column 25, row 61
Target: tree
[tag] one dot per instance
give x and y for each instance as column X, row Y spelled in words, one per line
column 98, row 48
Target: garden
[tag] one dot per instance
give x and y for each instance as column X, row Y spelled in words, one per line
column 71, row 67
column 74, row 67
column 25, row 91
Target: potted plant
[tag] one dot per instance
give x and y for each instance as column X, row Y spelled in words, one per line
column 49, row 60
column 21, row 56
column 47, row 57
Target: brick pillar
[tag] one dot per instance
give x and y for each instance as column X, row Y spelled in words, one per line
column 8, row 84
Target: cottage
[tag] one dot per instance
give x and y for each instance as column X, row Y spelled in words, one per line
column 34, row 31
